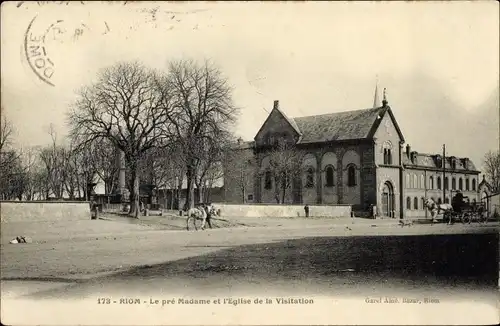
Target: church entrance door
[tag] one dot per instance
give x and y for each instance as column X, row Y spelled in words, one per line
column 388, row 200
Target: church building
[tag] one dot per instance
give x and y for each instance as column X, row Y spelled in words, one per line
column 355, row 157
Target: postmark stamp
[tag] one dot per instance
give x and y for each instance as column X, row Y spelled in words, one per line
column 36, row 53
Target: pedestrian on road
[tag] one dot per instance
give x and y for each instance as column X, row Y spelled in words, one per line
column 306, row 209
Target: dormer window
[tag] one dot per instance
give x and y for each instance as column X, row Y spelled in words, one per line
column 413, row 157
column 453, row 163
column 439, row 161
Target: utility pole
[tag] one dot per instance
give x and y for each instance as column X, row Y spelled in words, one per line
column 444, row 173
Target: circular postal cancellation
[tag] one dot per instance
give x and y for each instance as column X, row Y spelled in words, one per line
column 44, row 45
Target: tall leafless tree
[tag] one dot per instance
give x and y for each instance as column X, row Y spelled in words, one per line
column 54, row 160
column 31, row 166
column 239, row 168
column 203, row 112
column 6, row 132
column 126, row 105
column 80, row 170
column 9, row 158
column 105, row 163
column 285, row 167
column 492, row 170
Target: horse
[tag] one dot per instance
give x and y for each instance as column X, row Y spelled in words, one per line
column 203, row 213
column 436, row 209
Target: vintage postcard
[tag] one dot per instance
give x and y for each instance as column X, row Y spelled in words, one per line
column 249, row 163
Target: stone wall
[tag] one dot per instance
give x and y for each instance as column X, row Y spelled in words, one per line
column 25, row 211
column 255, row 210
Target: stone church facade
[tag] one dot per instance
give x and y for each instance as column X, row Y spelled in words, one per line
column 353, row 157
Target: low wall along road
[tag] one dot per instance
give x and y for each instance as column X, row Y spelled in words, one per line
column 270, row 210
column 26, row 211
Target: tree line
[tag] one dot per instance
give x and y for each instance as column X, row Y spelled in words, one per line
column 172, row 124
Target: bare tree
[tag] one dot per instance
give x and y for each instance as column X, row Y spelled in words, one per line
column 54, row 160
column 105, row 163
column 492, row 170
column 6, row 132
column 126, row 105
column 7, row 157
column 210, row 155
column 285, row 167
column 80, row 171
column 239, row 169
column 12, row 176
column 203, row 112
column 31, row 166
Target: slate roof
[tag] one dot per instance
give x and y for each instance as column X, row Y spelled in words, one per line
column 430, row 161
column 358, row 124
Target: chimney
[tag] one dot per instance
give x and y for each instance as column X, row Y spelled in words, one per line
column 466, row 163
column 384, row 101
column 408, row 150
column 276, row 104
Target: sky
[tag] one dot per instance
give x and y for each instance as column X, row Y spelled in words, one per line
column 439, row 61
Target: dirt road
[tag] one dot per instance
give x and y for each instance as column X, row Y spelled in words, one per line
column 327, row 259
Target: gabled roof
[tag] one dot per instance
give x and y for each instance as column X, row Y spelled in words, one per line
column 484, row 183
column 346, row 125
column 290, row 121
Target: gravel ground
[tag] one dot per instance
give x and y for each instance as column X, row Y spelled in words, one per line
column 354, row 257
column 88, row 247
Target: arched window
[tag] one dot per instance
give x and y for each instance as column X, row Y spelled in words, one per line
column 351, row 176
column 439, row 182
column 330, row 172
column 415, row 181
column 431, row 182
column 271, row 139
column 473, row 184
column 467, row 184
column 268, row 180
column 446, row 185
column 423, row 202
column 310, row 177
column 460, row 184
column 415, row 203
column 408, row 203
column 387, row 152
column 453, row 183
column 474, row 201
column 407, row 179
column 422, row 181
column 440, row 201
column 446, row 200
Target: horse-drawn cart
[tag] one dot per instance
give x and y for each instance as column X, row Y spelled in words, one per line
column 465, row 213
column 469, row 213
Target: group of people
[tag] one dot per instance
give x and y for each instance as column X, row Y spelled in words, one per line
column 457, row 202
